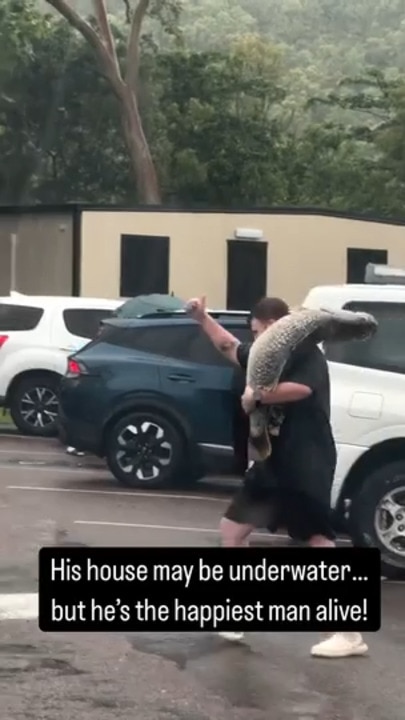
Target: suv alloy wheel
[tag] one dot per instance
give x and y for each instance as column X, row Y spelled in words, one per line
column 145, row 449
column 34, row 405
column 377, row 516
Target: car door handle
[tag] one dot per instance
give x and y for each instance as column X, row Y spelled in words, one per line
column 181, row 377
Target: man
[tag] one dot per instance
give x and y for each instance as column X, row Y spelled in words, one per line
column 292, row 488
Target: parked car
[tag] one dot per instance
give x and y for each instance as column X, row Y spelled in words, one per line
column 37, row 334
column 368, row 417
column 154, row 397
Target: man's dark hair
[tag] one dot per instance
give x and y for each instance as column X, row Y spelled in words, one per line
column 269, row 308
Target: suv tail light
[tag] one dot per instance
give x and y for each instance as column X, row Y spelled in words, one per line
column 3, row 339
column 74, row 369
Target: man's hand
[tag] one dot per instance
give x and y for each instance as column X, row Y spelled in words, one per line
column 248, row 400
column 197, row 308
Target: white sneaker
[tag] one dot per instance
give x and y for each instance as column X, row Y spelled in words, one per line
column 340, row 645
column 232, row 636
column 72, row 451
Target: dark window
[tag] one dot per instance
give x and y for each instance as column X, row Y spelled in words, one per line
column 243, row 334
column 19, row 317
column 358, row 259
column 144, row 265
column 384, row 351
column 203, row 351
column 85, row 322
column 169, row 341
column 247, row 273
column 181, row 342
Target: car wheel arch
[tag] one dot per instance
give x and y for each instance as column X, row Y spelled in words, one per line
column 384, row 453
column 25, row 374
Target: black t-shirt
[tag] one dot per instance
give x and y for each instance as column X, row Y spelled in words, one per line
column 304, row 453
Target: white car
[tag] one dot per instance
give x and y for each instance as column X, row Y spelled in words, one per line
column 368, row 418
column 36, row 336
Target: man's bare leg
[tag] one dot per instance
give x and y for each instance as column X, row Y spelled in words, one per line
column 234, row 535
column 336, row 645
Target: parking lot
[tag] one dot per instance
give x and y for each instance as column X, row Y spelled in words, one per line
column 47, row 497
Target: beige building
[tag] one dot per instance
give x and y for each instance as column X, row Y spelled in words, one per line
column 233, row 258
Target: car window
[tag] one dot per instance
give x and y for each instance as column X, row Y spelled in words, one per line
column 85, row 322
column 244, row 334
column 19, row 317
column 181, row 342
column 169, row 341
column 384, row 351
column 203, row 351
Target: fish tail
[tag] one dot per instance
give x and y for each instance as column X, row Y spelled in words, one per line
column 259, row 437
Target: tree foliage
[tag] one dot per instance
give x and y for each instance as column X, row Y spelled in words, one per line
column 241, row 102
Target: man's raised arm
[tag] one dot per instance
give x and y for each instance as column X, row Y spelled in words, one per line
column 224, row 341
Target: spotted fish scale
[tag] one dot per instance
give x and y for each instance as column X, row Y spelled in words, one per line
column 272, row 349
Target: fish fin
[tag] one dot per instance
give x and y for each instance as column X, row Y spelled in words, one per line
column 259, row 447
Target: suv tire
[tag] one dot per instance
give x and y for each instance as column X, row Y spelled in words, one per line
column 38, row 391
column 145, row 449
column 378, row 507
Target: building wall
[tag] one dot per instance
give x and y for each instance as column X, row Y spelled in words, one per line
column 303, row 250
column 44, row 258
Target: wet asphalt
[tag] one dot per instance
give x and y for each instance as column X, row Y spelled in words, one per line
column 47, row 497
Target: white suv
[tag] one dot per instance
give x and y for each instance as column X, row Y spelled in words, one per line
column 36, row 336
column 368, row 418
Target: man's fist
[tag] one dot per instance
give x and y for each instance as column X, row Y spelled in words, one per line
column 196, row 307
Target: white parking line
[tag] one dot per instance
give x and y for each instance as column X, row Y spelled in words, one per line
column 178, row 528
column 144, row 526
column 174, row 528
column 152, row 495
column 128, row 493
column 19, row 606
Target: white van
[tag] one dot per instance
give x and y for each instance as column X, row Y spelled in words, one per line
column 368, row 418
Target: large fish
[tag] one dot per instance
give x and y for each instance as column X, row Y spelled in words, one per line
column 272, row 349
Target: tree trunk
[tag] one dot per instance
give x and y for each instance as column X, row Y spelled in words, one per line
column 142, row 164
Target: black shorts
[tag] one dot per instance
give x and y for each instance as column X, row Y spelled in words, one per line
column 265, row 505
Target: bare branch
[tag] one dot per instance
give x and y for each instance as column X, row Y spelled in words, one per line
column 128, row 13
column 76, row 21
column 90, row 35
column 100, row 11
column 132, row 68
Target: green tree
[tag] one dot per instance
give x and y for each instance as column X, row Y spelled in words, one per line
column 123, row 77
column 366, row 151
column 220, row 112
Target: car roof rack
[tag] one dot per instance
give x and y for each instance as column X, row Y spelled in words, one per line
column 383, row 275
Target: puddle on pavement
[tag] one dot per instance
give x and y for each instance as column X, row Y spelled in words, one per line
column 181, row 648
column 18, row 649
column 19, row 664
column 245, row 677
column 227, row 669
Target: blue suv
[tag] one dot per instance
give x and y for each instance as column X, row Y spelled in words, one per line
column 156, row 399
